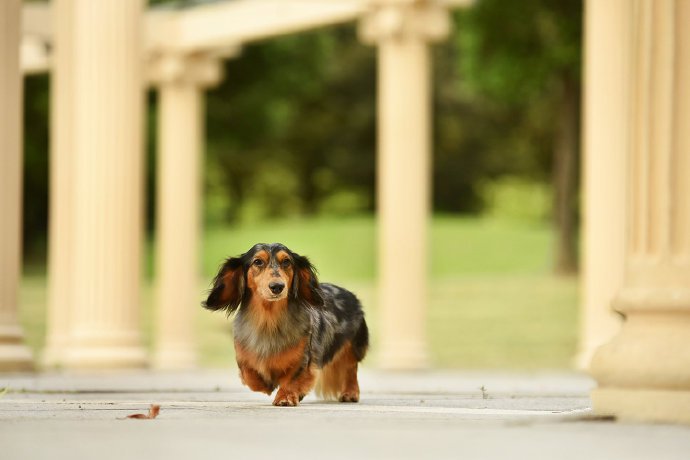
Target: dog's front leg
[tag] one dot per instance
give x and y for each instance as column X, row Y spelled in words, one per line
column 254, row 380
column 294, row 386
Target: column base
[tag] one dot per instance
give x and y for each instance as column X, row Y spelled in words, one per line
column 404, row 356
column 175, row 358
column 626, row 404
column 15, row 357
column 104, row 357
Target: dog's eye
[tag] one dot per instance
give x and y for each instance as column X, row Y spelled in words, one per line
column 285, row 263
column 258, row 262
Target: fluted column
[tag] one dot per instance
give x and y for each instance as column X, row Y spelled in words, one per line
column 402, row 31
column 61, row 207
column 181, row 80
column 14, row 354
column 644, row 373
column 605, row 138
column 108, row 163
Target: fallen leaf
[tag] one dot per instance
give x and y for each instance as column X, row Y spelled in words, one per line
column 153, row 413
column 4, row 391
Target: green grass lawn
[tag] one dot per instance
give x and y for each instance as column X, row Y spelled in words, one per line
column 492, row 300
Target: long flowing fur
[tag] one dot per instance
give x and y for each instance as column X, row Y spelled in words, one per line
column 315, row 329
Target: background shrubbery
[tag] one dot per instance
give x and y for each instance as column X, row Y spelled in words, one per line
column 290, row 157
column 291, row 129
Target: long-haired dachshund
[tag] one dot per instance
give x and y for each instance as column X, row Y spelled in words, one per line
column 289, row 327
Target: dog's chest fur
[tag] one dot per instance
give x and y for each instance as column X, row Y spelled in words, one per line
column 265, row 340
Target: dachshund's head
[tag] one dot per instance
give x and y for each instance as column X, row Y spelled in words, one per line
column 268, row 273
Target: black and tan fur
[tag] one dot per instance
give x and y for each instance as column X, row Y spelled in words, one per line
column 290, row 329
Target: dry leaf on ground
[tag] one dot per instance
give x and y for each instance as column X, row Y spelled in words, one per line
column 153, row 413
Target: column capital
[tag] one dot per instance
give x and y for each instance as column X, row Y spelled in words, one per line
column 173, row 67
column 397, row 20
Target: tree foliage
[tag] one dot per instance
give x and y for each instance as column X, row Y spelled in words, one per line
column 292, row 125
column 523, row 59
column 291, row 130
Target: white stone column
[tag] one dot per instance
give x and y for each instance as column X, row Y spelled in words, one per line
column 644, row 372
column 14, row 354
column 108, row 176
column 61, row 207
column 402, row 30
column 181, row 81
column 605, row 135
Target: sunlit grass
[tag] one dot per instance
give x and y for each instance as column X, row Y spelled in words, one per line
column 492, row 300
column 345, row 248
column 506, row 321
column 339, row 248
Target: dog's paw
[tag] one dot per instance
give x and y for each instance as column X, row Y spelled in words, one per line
column 349, row 397
column 286, row 399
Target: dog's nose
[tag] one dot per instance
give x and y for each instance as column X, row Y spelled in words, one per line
column 276, row 288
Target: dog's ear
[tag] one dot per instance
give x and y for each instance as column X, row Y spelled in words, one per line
column 305, row 284
column 228, row 287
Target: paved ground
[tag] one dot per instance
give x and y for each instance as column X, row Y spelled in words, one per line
column 401, row 415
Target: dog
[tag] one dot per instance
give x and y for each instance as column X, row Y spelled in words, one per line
column 289, row 329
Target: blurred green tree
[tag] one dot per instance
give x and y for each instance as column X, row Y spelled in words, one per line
column 35, row 172
column 298, row 108
column 524, row 59
column 291, row 129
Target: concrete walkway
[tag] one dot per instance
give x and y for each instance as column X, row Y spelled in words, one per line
column 402, row 415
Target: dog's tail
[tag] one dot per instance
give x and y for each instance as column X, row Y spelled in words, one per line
column 338, row 379
column 330, row 382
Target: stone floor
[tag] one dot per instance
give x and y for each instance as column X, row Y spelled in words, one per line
column 401, row 416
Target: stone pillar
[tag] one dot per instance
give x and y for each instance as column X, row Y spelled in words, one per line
column 181, row 81
column 61, row 210
column 402, row 30
column 606, row 123
column 14, row 354
column 644, row 373
column 108, row 189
